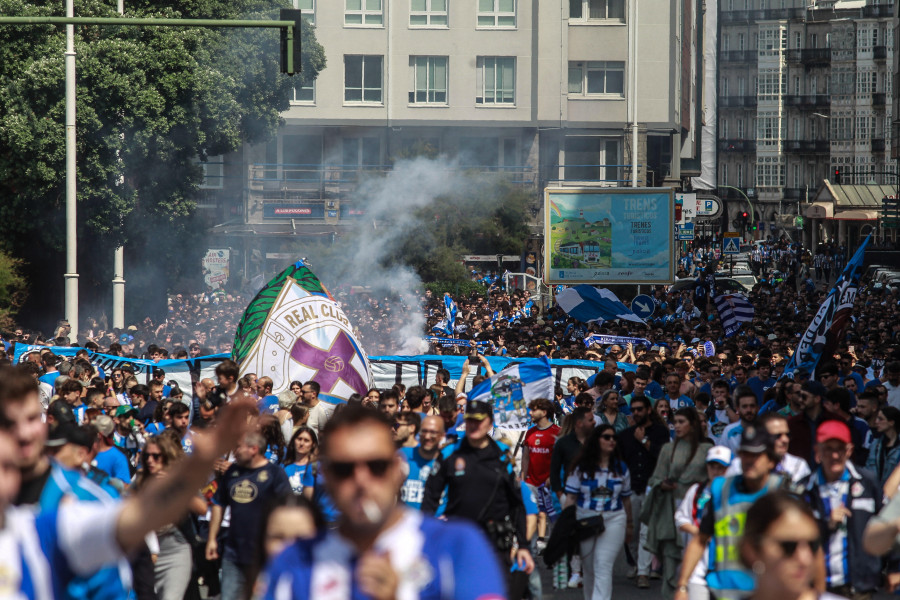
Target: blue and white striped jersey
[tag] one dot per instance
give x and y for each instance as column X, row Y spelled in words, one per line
column 602, row 492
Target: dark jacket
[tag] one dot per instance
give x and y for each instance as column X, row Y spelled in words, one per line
column 641, row 460
column 864, row 501
column 565, row 451
column 480, row 483
column 803, row 435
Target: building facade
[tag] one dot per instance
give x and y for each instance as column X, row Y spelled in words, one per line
column 805, row 95
column 541, row 93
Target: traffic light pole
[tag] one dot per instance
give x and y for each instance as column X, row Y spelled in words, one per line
column 289, row 58
column 741, row 192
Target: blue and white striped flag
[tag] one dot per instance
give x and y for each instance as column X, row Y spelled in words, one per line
column 589, row 304
column 447, row 325
column 510, row 391
column 734, row 309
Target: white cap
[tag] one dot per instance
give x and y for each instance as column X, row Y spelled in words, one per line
column 719, row 454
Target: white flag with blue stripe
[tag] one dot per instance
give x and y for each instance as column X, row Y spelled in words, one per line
column 510, row 391
column 589, row 304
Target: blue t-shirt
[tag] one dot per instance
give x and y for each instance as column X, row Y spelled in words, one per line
column 413, row 489
column 115, row 463
column 759, row 386
column 434, row 561
column 268, row 404
column 300, row 476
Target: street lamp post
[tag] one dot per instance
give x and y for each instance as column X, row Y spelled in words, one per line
column 71, row 275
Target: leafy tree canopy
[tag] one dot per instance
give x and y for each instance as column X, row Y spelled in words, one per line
column 150, row 102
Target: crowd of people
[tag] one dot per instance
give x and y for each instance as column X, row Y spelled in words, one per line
column 702, row 464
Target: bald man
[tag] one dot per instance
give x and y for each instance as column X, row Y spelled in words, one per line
column 420, row 460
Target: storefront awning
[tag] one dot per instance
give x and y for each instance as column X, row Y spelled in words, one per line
column 820, row 210
column 857, row 215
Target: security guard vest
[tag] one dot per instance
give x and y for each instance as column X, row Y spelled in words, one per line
column 727, row 577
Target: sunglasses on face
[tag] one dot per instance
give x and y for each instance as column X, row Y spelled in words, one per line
column 343, row 470
column 153, row 455
column 608, row 437
column 789, row 547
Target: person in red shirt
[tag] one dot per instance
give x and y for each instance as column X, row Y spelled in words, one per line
column 538, row 446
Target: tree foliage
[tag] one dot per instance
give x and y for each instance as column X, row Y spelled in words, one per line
column 151, row 101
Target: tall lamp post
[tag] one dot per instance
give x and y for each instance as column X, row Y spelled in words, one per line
column 71, row 275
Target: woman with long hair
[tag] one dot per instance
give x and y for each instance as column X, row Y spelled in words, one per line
column 663, row 410
column 884, row 453
column 172, row 567
column 299, row 464
column 681, row 464
column 609, row 411
column 780, row 542
column 601, row 484
column 270, row 428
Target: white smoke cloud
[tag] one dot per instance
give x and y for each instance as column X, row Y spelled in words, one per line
column 392, row 203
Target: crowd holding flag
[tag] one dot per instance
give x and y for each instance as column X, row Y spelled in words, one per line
column 827, row 327
column 589, row 305
column 447, row 325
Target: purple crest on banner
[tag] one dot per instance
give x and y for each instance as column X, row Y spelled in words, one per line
column 332, row 365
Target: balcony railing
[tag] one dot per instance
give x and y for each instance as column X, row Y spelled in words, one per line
column 807, row 146
column 737, row 145
column 738, row 56
column 812, row 101
column 878, row 10
column 737, row 101
column 752, row 16
column 815, row 55
column 324, row 181
column 793, row 193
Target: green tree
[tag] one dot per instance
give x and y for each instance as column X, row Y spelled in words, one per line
column 151, row 102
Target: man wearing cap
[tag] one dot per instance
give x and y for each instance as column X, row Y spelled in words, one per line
column 803, row 426
column 687, row 517
column 722, row 524
column 844, row 499
column 481, row 485
column 794, row 468
column 111, row 458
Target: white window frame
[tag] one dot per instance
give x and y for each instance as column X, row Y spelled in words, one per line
column 210, row 166
column 309, row 11
column 430, row 64
column 482, row 83
column 431, row 15
column 496, row 15
column 363, row 87
column 591, row 66
column 599, row 6
column 369, row 17
column 302, row 102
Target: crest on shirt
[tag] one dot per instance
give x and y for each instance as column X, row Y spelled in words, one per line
column 244, row 492
column 537, row 441
column 460, row 466
column 856, row 489
column 262, row 477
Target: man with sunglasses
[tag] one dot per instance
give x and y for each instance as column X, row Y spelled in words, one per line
column 381, row 548
column 844, row 499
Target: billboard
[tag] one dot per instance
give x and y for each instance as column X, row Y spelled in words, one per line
column 215, row 268
column 609, row 235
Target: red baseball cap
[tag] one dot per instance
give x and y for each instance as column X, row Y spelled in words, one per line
column 833, row 430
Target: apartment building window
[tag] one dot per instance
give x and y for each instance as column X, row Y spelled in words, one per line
column 770, row 128
column 496, row 13
column 772, row 84
column 741, row 42
column 740, row 129
column 362, row 153
column 740, row 175
column 724, row 86
column 213, row 172
column 742, row 87
column 428, row 13
column 597, row 78
column 593, row 158
column 364, row 12
column 813, row 40
column 797, row 40
column 769, row 172
column 866, row 82
column 723, row 127
column 307, row 9
column 864, row 129
column 725, row 40
column 305, row 93
column 496, row 80
column 796, row 177
column 428, row 79
column 597, row 10
column 363, row 79
column 796, row 86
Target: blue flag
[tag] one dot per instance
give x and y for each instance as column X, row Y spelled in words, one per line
column 589, row 304
column 510, row 391
column 827, row 327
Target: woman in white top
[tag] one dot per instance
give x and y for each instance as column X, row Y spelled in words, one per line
column 601, row 484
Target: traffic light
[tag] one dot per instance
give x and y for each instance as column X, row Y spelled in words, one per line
column 745, row 221
column 290, row 49
column 837, row 176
